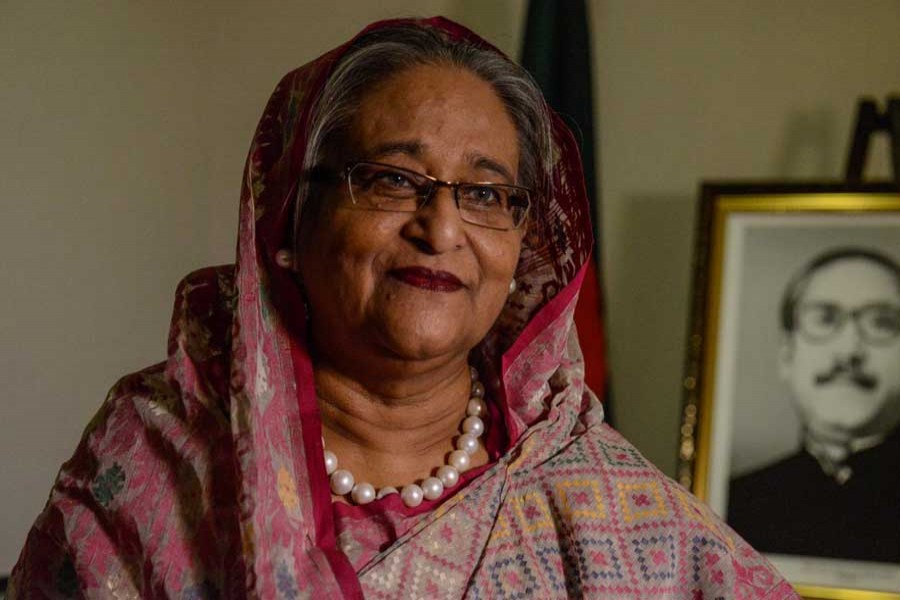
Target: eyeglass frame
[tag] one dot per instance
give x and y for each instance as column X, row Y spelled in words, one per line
column 436, row 183
column 843, row 316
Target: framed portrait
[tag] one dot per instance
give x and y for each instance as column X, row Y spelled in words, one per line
column 791, row 418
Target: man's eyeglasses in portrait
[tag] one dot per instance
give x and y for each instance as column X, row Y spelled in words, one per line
column 877, row 324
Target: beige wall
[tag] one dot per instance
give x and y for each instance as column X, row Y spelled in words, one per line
column 123, row 129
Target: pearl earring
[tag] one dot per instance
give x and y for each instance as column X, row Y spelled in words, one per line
column 284, row 258
column 512, row 286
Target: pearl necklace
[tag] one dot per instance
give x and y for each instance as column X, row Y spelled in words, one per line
column 431, row 488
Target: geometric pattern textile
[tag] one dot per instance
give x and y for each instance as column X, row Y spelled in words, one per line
column 576, row 526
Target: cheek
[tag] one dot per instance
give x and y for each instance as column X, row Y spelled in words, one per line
column 498, row 268
column 359, row 232
column 498, row 256
column 337, row 262
column 812, row 359
column 885, row 363
column 806, row 363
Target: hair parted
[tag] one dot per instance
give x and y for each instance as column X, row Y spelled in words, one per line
column 797, row 286
column 378, row 55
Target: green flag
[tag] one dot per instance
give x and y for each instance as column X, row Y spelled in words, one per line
column 557, row 52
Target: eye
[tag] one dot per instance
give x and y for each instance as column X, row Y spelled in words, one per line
column 392, row 180
column 820, row 319
column 483, row 195
column 386, row 183
column 826, row 314
column 886, row 320
column 820, row 314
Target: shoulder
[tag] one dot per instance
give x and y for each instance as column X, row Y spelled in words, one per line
column 169, row 413
column 143, row 485
column 156, row 460
column 762, row 491
column 605, row 499
column 799, row 463
column 145, row 432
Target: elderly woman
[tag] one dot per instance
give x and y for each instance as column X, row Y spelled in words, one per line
column 384, row 397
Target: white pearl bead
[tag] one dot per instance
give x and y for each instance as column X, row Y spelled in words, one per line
column 341, row 482
column 330, row 462
column 412, row 495
column 459, row 460
column 432, row 488
column 448, row 476
column 473, row 425
column 385, row 491
column 467, row 442
column 363, row 493
column 476, row 407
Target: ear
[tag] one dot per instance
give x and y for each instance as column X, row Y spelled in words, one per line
column 786, row 353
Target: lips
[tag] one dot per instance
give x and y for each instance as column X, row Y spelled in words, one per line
column 420, row 277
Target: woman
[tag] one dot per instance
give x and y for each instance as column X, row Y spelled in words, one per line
column 385, row 395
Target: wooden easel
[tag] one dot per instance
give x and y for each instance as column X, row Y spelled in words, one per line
column 868, row 122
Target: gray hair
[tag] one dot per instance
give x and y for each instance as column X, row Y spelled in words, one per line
column 381, row 54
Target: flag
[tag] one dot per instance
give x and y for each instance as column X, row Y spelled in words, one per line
column 556, row 51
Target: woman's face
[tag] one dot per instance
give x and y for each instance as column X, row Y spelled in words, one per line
column 423, row 285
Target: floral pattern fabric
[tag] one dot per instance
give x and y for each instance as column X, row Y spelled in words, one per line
column 202, row 477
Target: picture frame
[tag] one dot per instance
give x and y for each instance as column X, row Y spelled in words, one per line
column 746, row 419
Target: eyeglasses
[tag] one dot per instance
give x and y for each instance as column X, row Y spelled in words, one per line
column 877, row 324
column 377, row 186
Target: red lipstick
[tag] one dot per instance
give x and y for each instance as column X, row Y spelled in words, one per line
column 436, row 281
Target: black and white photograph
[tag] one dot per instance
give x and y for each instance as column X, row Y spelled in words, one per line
column 802, row 382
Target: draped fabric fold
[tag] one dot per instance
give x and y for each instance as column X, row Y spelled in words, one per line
column 556, row 50
column 203, row 476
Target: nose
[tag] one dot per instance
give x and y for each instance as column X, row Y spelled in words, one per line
column 849, row 344
column 437, row 226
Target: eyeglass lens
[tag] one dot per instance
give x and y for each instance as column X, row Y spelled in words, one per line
column 876, row 323
column 383, row 187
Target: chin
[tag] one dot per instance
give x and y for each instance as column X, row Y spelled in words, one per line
column 422, row 341
column 844, row 424
column 421, row 350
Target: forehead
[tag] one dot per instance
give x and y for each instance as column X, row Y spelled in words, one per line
column 853, row 282
column 443, row 116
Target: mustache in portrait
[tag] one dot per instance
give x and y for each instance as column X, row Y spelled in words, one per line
column 850, row 370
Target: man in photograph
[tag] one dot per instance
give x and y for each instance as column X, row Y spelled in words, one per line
column 839, row 495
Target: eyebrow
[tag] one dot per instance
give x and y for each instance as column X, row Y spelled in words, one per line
column 402, row 147
column 416, row 149
column 480, row 161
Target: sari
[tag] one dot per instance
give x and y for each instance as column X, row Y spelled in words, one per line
column 203, row 476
